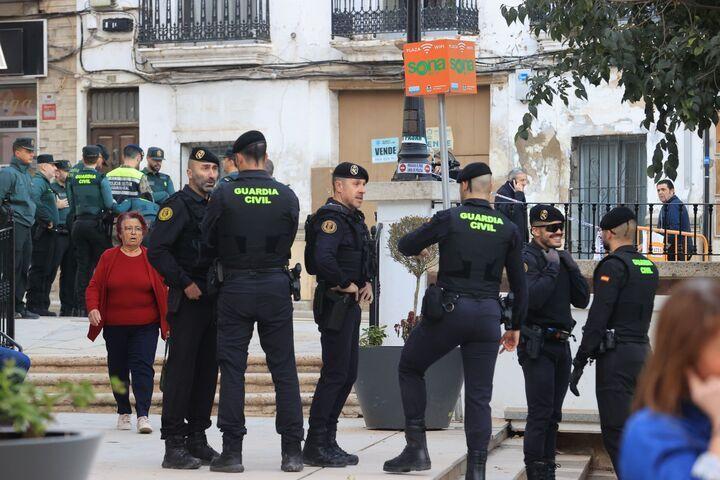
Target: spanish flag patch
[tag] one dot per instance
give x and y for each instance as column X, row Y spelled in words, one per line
column 604, row 278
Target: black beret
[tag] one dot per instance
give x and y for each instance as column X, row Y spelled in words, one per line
column 616, row 217
column 91, row 151
column 351, row 170
column 203, row 154
column 472, row 170
column 45, row 158
column 63, row 165
column 156, row 153
column 229, row 153
column 545, row 214
column 247, row 139
column 103, row 151
column 28, row 143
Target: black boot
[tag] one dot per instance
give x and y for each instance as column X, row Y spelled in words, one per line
column 476, row 460
column 317, row 451
column 292, row 457
column 348, row 458
column 536, row 470
column 550, row 468
column 177, row 455
column 198, row 447
column 414, row 456
column 230, row 460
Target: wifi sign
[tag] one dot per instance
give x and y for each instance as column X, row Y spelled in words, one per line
column 440, row 67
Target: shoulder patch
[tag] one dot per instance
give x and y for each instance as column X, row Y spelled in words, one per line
column 526, row 266
column 165, row 214
column 605, row 278
column 329, row 226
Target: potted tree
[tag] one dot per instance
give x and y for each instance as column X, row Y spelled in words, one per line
column 28, row 448
column 377, row 385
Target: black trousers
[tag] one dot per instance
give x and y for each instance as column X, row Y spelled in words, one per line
column 546, row 383
column 39, row 284
column 23, row 253
column 191, row 369
column 131, row 354
column 474, row 325
column 90, row 242
column 339, row 370
column 616, row 377
column 264, row 299
column 64, row 259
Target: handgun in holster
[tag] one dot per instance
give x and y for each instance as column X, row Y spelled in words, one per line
column 534, row 339
column 608, row 342
column 506, row 309
column 339, row 305
column 294, row 274
column 216, row 277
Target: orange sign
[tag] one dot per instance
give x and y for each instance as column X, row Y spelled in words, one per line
column 440, row 66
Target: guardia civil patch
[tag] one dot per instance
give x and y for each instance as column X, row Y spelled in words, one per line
column 165, row 214
column 329, row 226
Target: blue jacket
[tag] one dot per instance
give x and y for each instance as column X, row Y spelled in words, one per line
column 146, row 208
column 674, row 216
column 657, row 446
column 16, row 186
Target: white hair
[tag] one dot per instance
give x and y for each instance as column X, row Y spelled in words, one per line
column 512, row 175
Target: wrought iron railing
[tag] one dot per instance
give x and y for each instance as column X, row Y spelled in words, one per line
column 7, row 280
column 351, row 18
column 164, row 21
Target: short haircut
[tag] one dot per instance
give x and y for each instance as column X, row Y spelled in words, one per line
column 667, row 182
column 90, row 160
column 127, row 216
column 481, row 184
column 255, row 151
column 512, row 174
column 131, row 152
column 626, row 231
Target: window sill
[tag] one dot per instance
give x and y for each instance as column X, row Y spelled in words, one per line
column 175, row 55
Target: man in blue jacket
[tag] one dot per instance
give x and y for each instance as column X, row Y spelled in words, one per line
column 674, row 216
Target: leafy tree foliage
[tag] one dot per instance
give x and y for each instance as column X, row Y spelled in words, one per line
column 666, row 54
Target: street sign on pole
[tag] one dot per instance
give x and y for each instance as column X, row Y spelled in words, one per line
column 440, row 67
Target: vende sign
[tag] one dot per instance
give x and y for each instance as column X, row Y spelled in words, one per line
column 440, row 66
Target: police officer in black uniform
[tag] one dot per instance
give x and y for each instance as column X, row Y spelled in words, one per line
column 90, row 198
column 249, row 227
column 616, row 332
column 190, row 378
column 336, row 250
column 476, row 243
column 554, row 284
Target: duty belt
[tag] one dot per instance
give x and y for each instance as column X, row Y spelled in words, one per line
column 556, row 334
column 236, row 272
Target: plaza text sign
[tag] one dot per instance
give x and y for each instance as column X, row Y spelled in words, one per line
column 440, row 67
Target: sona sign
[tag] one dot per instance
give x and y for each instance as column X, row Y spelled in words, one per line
column 440, row 66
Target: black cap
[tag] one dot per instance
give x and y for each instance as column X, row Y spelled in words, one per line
column 616, row 217
column 203, row 154
column 472, row 170
column 156, row 153
column 351, row 170
column 91, row 151
column 545, row 215
column 247, row 139
column 28, row 143
column 63, row 165
column 45, row 158
column 229, row 153
column 103, row 151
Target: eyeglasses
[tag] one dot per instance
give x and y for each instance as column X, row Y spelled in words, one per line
column 555, row 227
column 132, row 229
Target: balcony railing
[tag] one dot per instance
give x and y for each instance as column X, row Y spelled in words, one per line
column 351, row 18
column 165, row 21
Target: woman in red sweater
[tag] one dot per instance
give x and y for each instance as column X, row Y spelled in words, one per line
column 127, row 300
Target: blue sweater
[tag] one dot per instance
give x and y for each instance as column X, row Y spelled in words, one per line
column 657, row 446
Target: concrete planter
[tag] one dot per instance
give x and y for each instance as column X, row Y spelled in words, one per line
column 378, row 390
column 57, row 456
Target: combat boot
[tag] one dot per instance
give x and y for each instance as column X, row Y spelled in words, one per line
column 348, row 458
column 198, row 447
column 476, row 460
column 230, row 460
column 292, row 457
column 536, row 470
column 177, row 455
column 550, row 468
column 414, row 456
column 317, row 451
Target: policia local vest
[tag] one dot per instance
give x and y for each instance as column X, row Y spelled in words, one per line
column 86, row 192
column 256, row 228
column 472, row 255
column 124, row 182
column 633, row 310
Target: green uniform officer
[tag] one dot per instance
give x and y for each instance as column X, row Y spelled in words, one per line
column 90, row 197
column 15, row 189
column 64, row 257
column 160, row 183
column 44, row 234
column 143, row 205
column 127, row 181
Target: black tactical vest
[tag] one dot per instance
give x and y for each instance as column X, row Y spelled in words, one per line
column 472, row 255
column 633, row 310
column 186, row 248
column 86, row 192
column 257, row 226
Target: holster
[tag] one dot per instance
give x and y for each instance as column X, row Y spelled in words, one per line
column 215, row 279
column 534, row 340
column 294, row 275
column 506, row 310
column 433, row 304
column 608, row 342
column 340, row 304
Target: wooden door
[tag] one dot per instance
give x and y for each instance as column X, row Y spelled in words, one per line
column 114, row 139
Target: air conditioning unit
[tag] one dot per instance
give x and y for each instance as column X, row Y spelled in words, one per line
column 102, row 4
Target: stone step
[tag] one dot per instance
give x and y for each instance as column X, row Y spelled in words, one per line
column 456, row 470
column 601, row 475
column 573, row 421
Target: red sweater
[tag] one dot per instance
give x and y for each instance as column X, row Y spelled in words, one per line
column 143, row 283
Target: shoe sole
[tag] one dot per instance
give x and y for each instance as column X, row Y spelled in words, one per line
column 186, row 467
column 292, row 470
column 323, row 465
column 228, row 469
column 406, row 470
column 145, row 431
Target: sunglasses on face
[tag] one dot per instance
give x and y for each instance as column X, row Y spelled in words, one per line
column 555, row 227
